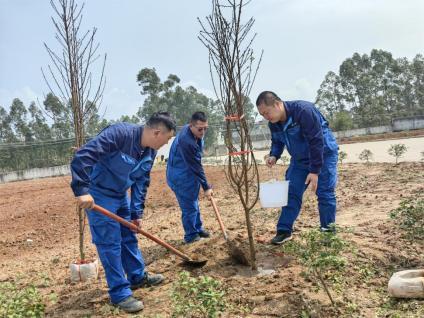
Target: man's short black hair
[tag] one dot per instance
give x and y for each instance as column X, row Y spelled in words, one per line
column 162, row 119
column 268, row 98
column 201, row 116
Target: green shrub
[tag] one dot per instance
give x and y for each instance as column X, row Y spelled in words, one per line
column 342, row 156
column 320, row 253
column 410, row 217
column 366, row 155
column 197, row 297
column 397, row 151
column 20, row 302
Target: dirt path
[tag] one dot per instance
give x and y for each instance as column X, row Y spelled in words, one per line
column 38, row 241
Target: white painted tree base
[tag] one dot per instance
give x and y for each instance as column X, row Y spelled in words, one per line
column 84, row 272
column 407, row 284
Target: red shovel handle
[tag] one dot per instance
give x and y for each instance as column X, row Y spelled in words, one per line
column 135, row 228
column 218, row 216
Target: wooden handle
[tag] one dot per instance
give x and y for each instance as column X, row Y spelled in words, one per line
column 218, row 216
column 135, row 228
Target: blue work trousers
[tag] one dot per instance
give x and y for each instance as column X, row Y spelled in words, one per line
column 327, row 181
column 116, row 245
column 190, row 216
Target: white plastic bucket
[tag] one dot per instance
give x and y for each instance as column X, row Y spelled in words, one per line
column 273, row 194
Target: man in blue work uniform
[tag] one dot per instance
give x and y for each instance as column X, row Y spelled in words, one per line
column 103, row 170
column 301, row 128
column 185, row 175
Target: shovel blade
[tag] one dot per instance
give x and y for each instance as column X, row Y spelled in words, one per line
column 195, row 263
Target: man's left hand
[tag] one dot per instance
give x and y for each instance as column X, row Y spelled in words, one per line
column 312, row 181
column 209, row 193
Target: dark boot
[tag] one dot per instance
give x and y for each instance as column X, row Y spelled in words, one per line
column 130, row 304
column 148, row 281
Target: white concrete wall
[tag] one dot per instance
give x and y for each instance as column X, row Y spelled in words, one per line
column 34, row 173
column 408, row 123
column 363, row 131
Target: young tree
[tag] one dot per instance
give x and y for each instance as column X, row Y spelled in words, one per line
column 233, row 73
column 342, row 156
column 321, row 254
column 397, row 151
column 366, row 155
column 72, row 74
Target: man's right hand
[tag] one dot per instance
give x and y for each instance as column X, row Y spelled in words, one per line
column 270, row 161
column 208, row 193
column 85, row 201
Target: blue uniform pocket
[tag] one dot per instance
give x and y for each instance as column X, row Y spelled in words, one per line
column 103, row 229
column 296, row 143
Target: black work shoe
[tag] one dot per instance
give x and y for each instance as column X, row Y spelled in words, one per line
column 204, row 234
column 148, row 281
column 330, row 229
column 281, row 237
column 194, row 239
column 130, row 304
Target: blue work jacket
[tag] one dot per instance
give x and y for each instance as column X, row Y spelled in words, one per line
column 112, row 162
column 305, row 134
column 184, row 171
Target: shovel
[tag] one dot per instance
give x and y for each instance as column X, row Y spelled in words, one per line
column 235, row 251
column 187, row 260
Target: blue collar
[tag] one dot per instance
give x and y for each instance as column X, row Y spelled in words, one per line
column 137, row 141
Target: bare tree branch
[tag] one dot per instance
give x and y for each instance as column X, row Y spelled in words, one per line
column 230, row 63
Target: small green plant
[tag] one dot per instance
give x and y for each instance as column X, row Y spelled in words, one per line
column 366, row 155
column 320, row 253
column 397, row 151
column 197, row 297
column 342, row 156
column 410, row 217
column 20, row 302
column 109, row 310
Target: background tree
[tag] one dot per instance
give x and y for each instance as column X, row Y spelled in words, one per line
column 180, row 102
column 6, row 132
column 18, row 119
column 38, row 124
column 72, row 74
column 397, row 151
column 370, row 90
column 329, row 98
column 60, row 114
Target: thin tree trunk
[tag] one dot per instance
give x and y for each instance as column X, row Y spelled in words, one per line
column 318, row 274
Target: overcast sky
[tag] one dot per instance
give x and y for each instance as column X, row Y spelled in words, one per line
column 302, row 40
